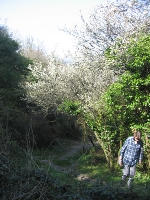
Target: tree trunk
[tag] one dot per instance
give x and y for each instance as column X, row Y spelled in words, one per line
column 108, row 154
column 147, row 144
column 119, row 151
column 110, row 161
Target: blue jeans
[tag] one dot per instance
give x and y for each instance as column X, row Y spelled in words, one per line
column 128, row 171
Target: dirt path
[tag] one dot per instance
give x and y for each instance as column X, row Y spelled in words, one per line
column 71, row 149
column 76, row 146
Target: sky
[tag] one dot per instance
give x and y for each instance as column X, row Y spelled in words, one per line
column 42, row 19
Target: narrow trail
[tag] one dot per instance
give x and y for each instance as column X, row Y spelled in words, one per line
column 71, row 149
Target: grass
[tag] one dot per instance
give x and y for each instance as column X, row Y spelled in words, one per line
column 94, row 164
column 91, row 162
column 68, row 160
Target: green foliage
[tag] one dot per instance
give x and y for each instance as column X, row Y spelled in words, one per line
column 71, row 107
column 145, row 130
column 108, row 123
column 138, row 55
column 13, row 69
column 127, row 101
column 134, row 89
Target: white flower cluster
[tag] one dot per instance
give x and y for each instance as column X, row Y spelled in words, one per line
column 53, row 83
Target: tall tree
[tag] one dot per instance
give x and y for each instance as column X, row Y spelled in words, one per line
column 13, row 69
column 108, row 22
column 34, row 50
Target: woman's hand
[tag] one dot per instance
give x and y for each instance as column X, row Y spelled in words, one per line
column 140, row 162
column 120, row 161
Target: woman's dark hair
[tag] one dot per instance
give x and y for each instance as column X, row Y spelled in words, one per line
column 137, row 133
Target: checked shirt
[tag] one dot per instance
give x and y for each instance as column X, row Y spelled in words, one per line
column 131, row 152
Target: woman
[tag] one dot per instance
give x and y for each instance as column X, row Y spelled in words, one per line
column 131, row 153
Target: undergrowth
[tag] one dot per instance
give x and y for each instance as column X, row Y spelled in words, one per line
column 24, row 177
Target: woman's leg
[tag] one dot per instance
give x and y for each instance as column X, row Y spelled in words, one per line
column 125, row 172
column 131, row 176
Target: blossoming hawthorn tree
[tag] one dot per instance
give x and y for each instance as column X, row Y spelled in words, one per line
column 108, row 22
column 49, row 85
